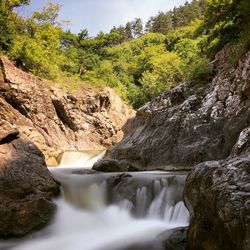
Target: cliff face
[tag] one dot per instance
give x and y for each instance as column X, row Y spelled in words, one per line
column 191, row 123
column 55, row 120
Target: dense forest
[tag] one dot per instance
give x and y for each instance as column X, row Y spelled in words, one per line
column 138, row 61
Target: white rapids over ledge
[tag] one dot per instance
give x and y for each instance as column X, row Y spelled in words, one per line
column 94, row 215
column 80, row 159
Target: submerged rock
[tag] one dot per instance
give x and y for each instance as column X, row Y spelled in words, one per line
column 26, row 187
column 217, row 195
column 174, row 239
column 114, row 166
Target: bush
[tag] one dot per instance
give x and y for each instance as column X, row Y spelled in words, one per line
column 202, row 71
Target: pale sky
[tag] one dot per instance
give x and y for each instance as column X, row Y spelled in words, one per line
column 102, row 15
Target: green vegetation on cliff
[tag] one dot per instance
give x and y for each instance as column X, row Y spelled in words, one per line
column 138, row 62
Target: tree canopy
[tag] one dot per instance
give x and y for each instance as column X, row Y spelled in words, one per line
column 138, row 61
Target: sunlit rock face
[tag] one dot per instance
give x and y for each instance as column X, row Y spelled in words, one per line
column 26, row 185
column 56, row 120
column 191, row 123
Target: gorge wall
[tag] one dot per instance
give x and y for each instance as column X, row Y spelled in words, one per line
column 192, row 122
column 208, row 125
column 56, row 120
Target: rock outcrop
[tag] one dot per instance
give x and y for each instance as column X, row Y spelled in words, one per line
column 191, row 123
column 26, row 186
column 217, row 194
column 208, row 125
column 56, row 120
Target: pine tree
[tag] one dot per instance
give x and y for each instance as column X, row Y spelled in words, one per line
column 137, row 27
column 162, row 23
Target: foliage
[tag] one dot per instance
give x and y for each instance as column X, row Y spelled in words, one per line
column 10, row 23
column 178, row 17
column 138, row 62
column 38, row 49
column 226, row 21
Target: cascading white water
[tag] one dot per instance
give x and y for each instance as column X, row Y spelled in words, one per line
column 80, row 159
column 111, row 211
column 101, row 211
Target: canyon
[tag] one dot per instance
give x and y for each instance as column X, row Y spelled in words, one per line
column 202, row 128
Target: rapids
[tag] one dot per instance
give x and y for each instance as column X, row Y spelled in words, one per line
column 109, row 211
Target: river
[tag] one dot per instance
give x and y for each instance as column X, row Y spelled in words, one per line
column 109, row 211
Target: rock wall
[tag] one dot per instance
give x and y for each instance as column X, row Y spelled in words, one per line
column 191, row 123
column 56, row 120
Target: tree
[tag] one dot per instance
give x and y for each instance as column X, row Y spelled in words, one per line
column 128, row 31
column 39, row 49
column 226, row 21
column 149, row 25
column 162, row 23
column 15, row 3
column 9, row 22
column 185, row 14
column 137, row 27
column 83, row 34
column 49, row 14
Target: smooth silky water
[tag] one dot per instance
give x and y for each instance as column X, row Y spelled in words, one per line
column 109, row 211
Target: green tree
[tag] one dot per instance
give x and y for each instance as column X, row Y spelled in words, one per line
column 39, row 49
column 128, row 31
column 185, row 14
column 162, row 23
column 226, row 21
column 10, row 23
column 137, row 27
column 48, row 15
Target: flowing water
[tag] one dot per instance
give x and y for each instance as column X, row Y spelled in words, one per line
column 80, row 159
column 110, row 211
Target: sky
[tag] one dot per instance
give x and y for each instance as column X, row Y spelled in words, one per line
column 103, row 15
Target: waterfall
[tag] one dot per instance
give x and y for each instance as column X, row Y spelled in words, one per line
column 80, row 159
column 111, row 211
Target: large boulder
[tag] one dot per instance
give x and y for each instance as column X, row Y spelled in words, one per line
column 26, row 186
column 189, row 124
column 56, row 119
column 217, row 194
